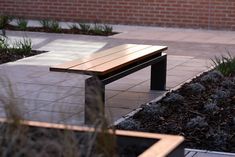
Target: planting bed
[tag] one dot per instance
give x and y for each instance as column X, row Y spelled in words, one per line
column 13, row 56
column 61, row 30
column 203, row 111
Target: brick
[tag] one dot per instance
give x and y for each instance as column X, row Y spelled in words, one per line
column 218, row 14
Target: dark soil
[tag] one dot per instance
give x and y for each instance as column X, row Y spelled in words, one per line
column 65, row 31
column 203, row 111
column 11, row 56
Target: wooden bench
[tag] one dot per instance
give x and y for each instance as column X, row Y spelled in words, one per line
column 112, row 64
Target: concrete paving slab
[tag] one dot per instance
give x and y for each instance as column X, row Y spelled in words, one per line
column 63, row 89
column 76, row 119
column 179, row 72
column 144, row 87
column 47, row 96
column 46, row 116
column 125, row 104
column 63, row 108
column 76, row 80
column 182, row 67
column 23, row 106
column 73, row 98
column 174, row 34
column 130, row 99
column 49, row 78
column 122, row 86
column 62, row 45
column 173, row 81
column 111, row 93
column 113, row 114
column 27, row 105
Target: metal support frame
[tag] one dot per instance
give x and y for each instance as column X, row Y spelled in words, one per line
column 95, row 85
column 158, row 75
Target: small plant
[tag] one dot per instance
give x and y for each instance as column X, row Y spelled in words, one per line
column 228, row 84
column 98, row 29
column 107, row 29
column 45, row 24
column 225, row 64
column 4, row 21
column 22, row 24
column 174, row 98
column 196, row 88
column 197, row 122
column 212, row 76
column 3, row 43
column 55, row 26
column 221, row 94
column 130, row 124
column 211, row 107
column 12, row 51
column 74, row 26
column 23, row 47
column 154, row 109
column 85, row 27
column 51, row 25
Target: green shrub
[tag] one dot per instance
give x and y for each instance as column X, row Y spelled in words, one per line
column 4, row 21
column 107, row 29
column 55, row 26
column 225, row 64
column 74, row 26
column 23, row 47
column 45, row 24
column 98, row 29
column 3, row 43
column 51, row 25
column 85, row 27
column 22, row 24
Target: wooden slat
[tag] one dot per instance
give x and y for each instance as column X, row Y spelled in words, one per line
column 92, row 57
column 110, row 58
column 124, row 61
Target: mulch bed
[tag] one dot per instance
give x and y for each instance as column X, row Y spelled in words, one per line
column 12, row 56
column 64, row 31
column 203, row 111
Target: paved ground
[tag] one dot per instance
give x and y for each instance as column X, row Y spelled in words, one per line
column 59, row 97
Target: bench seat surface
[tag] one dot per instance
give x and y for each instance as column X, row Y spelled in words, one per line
column 109, row 60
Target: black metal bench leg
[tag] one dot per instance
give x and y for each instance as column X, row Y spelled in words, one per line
column 94, row 100
column 158, row 74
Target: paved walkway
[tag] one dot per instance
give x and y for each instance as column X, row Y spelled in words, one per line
column 59, row 97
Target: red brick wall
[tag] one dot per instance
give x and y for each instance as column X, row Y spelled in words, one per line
column 212, row 14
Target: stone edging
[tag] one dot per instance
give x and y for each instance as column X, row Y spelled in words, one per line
column 211, row 152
